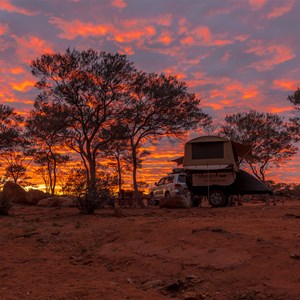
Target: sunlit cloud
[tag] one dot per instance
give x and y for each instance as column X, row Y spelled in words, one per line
column 280, row 10
column 23, row 86
column 3, row 28
column 9, row 7
column 272, row 55
column 257, row 4
column 17, row 70
column 286, row 85
column 119, row 3
column 30, row 47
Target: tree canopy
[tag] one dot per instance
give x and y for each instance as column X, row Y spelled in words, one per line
column 266, row 133
column 100, row 97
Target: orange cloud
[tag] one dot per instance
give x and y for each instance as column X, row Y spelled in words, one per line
column 281, row 10
column 165, row 39
column 119, row 3
column 274, row 55
column 30, row 47
column 23, row 86
column 187, row 41
column 257, row 4
column 17, row 70
column 77, row 28
column 3, row 28
column 277, row 110
column 286, row 85
column 8, row 6
column 203, row 33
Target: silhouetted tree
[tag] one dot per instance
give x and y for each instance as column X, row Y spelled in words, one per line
column 10, row 129
column 159, row 106
column 15, row 148
column 294, row 125
column 45, row 135
column 117, row 154
column 86, row 92
column 266, row 133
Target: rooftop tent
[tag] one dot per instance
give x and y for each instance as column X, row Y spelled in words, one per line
column 214, row 151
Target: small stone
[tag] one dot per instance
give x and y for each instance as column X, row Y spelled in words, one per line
column 295, row 255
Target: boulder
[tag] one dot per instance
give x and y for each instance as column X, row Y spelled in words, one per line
column 174, row 202
column 34, row 196
column 57, row 202
column 14, row 192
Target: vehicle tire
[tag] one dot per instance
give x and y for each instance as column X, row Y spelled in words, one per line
column 217, row 198
column 167, row 195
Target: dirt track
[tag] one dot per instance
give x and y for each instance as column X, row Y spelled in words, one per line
column 244, row 252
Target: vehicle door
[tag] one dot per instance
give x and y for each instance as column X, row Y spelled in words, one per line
column 159, row 190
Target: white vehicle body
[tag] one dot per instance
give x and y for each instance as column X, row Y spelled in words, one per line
column 169, row 186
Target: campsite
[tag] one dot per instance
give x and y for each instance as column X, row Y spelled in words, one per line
column 240, row 252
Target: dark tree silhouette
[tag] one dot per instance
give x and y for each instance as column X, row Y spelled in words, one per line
column 45, row 135
column 267, row 134
column 10, row 129
column 159, row 106
column 84, row 91
column 294, row 125
column 15, row 148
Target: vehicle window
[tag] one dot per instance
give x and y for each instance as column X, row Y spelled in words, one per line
column 161, row 182
column 181, row 178
column 169, row 179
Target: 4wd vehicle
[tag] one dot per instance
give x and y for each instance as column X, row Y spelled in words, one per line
column 211, row 165
column 169, row 186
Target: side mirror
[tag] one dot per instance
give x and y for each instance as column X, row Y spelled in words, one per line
column 156, row 183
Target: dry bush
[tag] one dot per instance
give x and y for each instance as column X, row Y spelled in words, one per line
column 5, row 205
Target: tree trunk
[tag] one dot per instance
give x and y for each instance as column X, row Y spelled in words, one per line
column 134, row 177
column 90, row 203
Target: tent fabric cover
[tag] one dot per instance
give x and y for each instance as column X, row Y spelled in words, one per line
column 246, row 183
column 233, row 152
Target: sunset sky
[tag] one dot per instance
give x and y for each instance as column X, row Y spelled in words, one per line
column 235, row 55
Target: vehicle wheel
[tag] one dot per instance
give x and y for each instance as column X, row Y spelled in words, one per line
column 217, row 198
column 167, row 195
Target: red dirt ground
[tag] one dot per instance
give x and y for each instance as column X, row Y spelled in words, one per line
column 242, row 252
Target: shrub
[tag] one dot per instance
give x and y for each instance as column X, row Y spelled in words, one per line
column 5, row 205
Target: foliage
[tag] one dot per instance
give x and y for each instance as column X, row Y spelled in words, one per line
column 44, row 133
column 266, row 133
column 159, row 106
column 9, row 127
column 294, row 125
column 15, row 148
column 85, row 92
column 75, row 183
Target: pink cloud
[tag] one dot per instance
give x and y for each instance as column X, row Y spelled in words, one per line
column 3, row 29
column 286, row 84
column 30, row 47
column 8, row 6
column 280, row 10
column 119, row 3
column 257, row 4
column 273, row 55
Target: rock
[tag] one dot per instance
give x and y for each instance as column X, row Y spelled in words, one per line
column 174, row 202
column 57, row 202
column 295, row 255
column 34, row 196
column 14, row 193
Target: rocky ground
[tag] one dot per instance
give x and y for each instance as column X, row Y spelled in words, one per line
column 242, row 252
